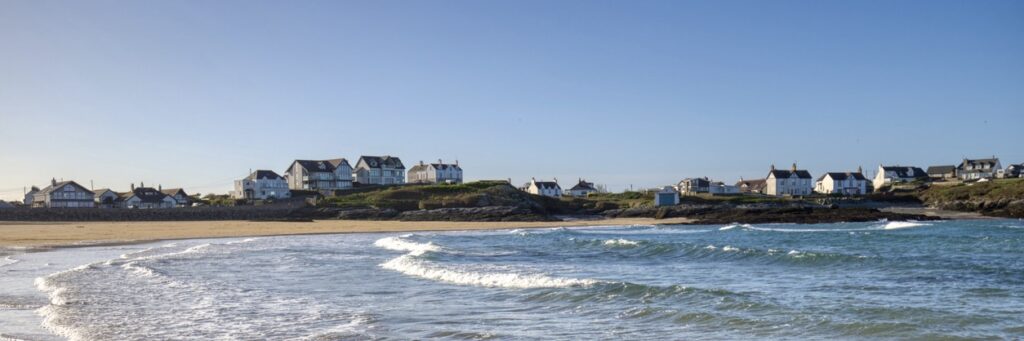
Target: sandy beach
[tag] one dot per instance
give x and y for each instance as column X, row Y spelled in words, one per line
column 37, row 235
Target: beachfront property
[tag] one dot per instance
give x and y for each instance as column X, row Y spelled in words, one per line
column 846, row 183
column 788, row 182
column 756, row 186
column 977, row 169
column 60, row 194
column 181, row 198
column 720, row 188
column 105, row 198
column 319, row 175
column 379, row 170
column 435, row 173
column 582, row 189
column 942, row 173
column 1014, row 171
column 693, row 186
column 261, row 185
column 544, row 188
column 143, row 197
column 888, row 175
column 667, row 196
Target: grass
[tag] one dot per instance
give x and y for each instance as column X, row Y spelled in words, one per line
column 995, row 190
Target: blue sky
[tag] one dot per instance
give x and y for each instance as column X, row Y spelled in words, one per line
column 641, row 93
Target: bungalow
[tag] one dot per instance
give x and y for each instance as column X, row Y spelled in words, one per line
column 718, row 187
column 582, row 189
column 756, row 186
column 436, row 173
column 792, row 182
column 62, row 194
column 975, row 169
column 667, row 196
column 544, row 188
column 146, row 197
column 888, row 175
column 693, row 186
column 848, row 183
column 261, row 185
column 319, row 175
column 942, row 173
column 379, row 170
column 105, row 198
column 181, row 198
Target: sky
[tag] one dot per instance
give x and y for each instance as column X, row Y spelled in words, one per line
column 636, row 94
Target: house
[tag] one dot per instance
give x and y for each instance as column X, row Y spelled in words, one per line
column 667, row 196
column 62, row 194
column 30, row 196
column 379, row 170
column 319, row 175
column 544, row 188
column 181, row 198
column 942, row 173
column 261, row 185
column 5, row 205
column 975, row 169
column 888, row 175
column 718, row 188
column 1014, row 171
column 693, row 186
column 146, row 197
column 582, row 189
column 436, row 173
column 847, row 183
column 105, row 198
column 756, row 186
column 788, row 182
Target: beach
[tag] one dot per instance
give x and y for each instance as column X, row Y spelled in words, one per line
column 41, row 235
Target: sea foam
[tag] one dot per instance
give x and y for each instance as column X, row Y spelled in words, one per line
column 893, row 225
column 399, row 244
column 409, row 265
column 621, row 242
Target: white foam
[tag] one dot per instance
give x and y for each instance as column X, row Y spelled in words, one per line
column 409, row 265
column 728, row 248
column 732, row 226
column 8, row 261
column 711, row 247
column 621, row 242
column 892, row 225
column 399, row 244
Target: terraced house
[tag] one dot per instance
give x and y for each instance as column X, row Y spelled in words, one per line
column 379, row 170
column 319, row 175
column 436, row 173
column 60, row 194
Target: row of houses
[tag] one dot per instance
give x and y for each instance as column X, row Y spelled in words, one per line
column 70, row 194
column 553, row 189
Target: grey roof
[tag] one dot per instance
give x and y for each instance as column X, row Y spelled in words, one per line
column 800, row 173
column 843, row 176
column 583, row 186
column 752, row 183
column 146, row 195
column 338, row 162
column 547, row 184
column 380, row 161
column 262, row 174
column 315, row 165
column 58, row 185
column 938, row 170
column 174, row 191
column 991, row 162
column 441, row 166
column 904, row 172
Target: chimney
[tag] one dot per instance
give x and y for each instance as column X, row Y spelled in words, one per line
column 133, row 187
column 772, row 167
column 160, row 188
column 556, row 180
column 53, row 181
column 439, row 161
column 421, row 162
column 142, row 184
column 860, row 169
column 794, row 166
column 456, row 162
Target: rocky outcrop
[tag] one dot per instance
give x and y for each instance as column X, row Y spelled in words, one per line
column 996, row 208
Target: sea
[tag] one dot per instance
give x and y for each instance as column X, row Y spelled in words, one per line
column 942, row 280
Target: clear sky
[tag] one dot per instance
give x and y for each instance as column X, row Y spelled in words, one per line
column 195, row 93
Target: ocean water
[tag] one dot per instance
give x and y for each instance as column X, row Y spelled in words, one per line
column 880, row 280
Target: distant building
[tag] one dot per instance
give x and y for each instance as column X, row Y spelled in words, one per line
column 582, row 189
column 976, row 169
column 888, row 175
column 667, row 196
column 261, row 185
column 146, row 198
column 319, row 175
column 756, row 186
column 30, row 197
column 848, row 183
column 62, row 194
column 1014, row 171
column 788, row 182
column 105, row 198
column 379, row 170
column 544, row 188
column 436, row 173
column 942, row 173
column 181, row 198
column 5, row 205
column 718, row 188
column 693, row 186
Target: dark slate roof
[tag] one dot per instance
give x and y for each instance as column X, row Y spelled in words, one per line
column 547, row 184
column 261, row 174
column 800, row 173
column 174, row 191
column 583, row 186
column 904, row 172
column 379, row 161
column 991, row 162
column 338, row 162
column 315, row 165
column 938, row 170
column 147, row 195
column 58, row 185
column 441, row 166
column 843, row 176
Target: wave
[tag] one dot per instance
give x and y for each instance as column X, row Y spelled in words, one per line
column 7, row 261
column 732, row 226
column 893, row 225
column 621, row 242
column 409, row 265
column 399, row 244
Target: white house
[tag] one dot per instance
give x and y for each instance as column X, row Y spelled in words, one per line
column 582, row 189
column 718, row 187
column 379, row 170
column 849, row 183
column 61, row 194
column 105, row 198
column 693, row 186
column 976, row 169
column 667, row 196
column 261, row 185
column 888, row 175
column 319, row 175
column 146, row 197
column 788, row 182
column 544, row 188
column 436, row 173
column 181, row 198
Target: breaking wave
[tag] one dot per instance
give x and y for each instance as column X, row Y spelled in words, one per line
column 400, row 244
column 409, row 265
column 893, row 225
column 619, row 242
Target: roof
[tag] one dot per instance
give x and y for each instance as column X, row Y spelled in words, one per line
column 547, row 184
column 380, row 161
column 904, row 172
column 262, row 174
column 583, row 186
column 941, row 169
column 315, row 165
column 146, row 195
column 800, row 173
column 174, row 191
column 752, row 183
column 57, row 185
column 991, row 162
column 338, row 162
column 697, row 182
column 843, row 176
column 441, row 166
